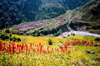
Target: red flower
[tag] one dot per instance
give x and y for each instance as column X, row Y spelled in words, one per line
column 13, row 47
column 48, row 49
column 31, row 45
column 22, row 47
column 1, row 46
column 44, row 51
column 66, row 48
column 26, row 46
column 62, row 48
column 52, row 50
column 57, row 49
column 39, row 44
column 4, row 46
column 29, row 50
column 9, row 48
column 41, row 48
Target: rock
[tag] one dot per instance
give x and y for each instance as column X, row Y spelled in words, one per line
column 81, row 63
column 92, row 52
column 92, row 61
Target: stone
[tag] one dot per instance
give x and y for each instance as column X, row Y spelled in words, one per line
column 92, row 52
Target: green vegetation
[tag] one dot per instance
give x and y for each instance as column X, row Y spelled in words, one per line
column 97, row 39
column 90, row 11
column 47, row 32
column 14, row 31
column 15, row 12
column 50, row 42
column 93, row 27
column 4, row 36
column 74, row 50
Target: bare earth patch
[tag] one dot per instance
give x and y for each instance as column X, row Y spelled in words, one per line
column 31, row 25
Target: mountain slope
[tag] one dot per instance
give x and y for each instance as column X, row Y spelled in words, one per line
column 89, row 16
column 71, row 21
column 18, row 11
column 91, row 11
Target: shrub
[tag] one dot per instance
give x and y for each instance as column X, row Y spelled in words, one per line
column 7, row 31
column 3, row 36
column 10, row 35
column 14, row 38
column 68, row 35
column 15, row 31
column 10, row 38
column 21, row 33
column 64, row 36
column 97, row 39
column 50, row 42
column 6, row 37
column 18, row 39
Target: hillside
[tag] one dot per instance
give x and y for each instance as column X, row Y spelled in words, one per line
column 89, row 16
column 72, row 20
column 91, row 11
column 51, row 27
column 17, row 11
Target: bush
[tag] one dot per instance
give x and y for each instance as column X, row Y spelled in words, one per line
column 7, row 31
column 4, row 36
column 50, row 42
column 10, row 35
column 15, row 31
column 18, row 39
column 64, row 36
column 97, row 39
column 10, row 38
column 14, row 38
column 20, row 33
column 68, row 35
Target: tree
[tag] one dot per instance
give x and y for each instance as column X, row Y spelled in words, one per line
column 50, row 42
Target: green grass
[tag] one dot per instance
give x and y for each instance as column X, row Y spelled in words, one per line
column 82, row 37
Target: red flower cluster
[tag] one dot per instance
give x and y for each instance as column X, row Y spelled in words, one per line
column 24, row 48
column 83, row 42
column 64, row 48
